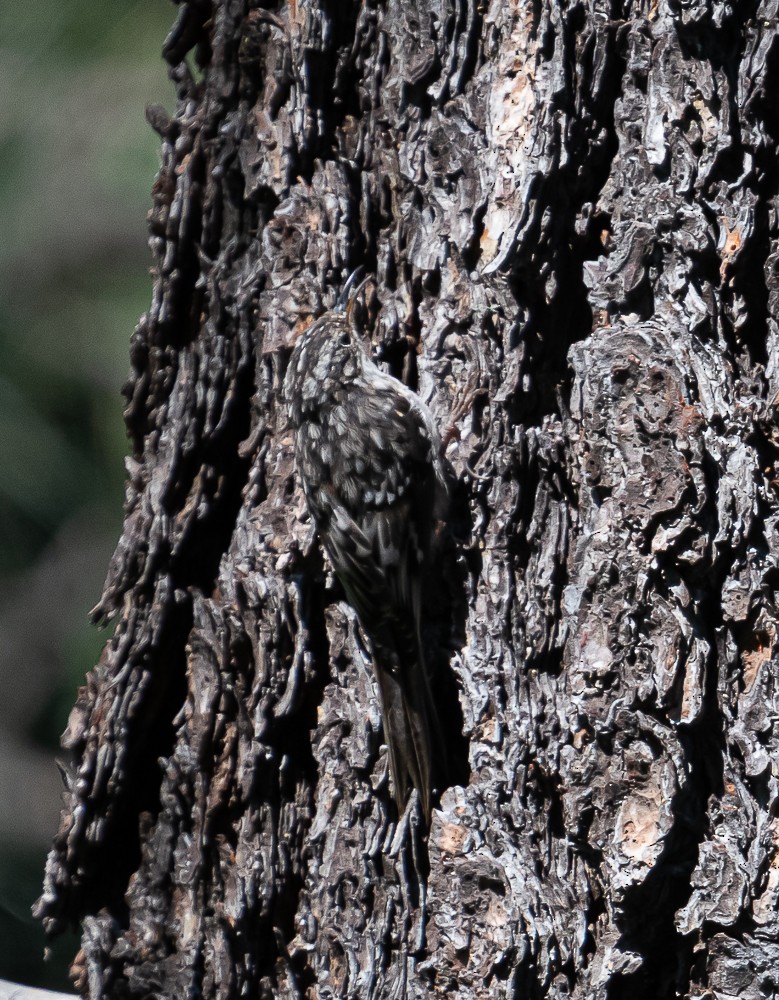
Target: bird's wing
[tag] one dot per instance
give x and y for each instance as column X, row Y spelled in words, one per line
column 382, row 478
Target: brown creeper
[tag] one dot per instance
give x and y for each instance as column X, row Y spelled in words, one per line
column 369, row 455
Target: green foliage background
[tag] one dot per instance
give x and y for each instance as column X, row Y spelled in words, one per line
column 77, row 162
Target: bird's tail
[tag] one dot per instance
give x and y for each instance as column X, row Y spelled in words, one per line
column 409, row 719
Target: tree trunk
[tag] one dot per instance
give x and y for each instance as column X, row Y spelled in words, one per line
column 571, row 211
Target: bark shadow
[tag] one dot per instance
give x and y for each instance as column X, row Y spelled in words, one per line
column 445, row 610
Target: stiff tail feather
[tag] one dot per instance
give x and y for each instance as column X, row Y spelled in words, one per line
column 408, row 717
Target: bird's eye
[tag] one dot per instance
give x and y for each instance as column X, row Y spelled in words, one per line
column 345, row 340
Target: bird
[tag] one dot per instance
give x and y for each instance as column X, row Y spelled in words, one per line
column 368, row 454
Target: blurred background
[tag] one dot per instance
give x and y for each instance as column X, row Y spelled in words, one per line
column 77, row 162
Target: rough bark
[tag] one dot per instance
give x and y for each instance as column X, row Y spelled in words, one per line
column 570, row 210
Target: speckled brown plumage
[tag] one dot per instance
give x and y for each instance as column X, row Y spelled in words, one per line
column 368, row 454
